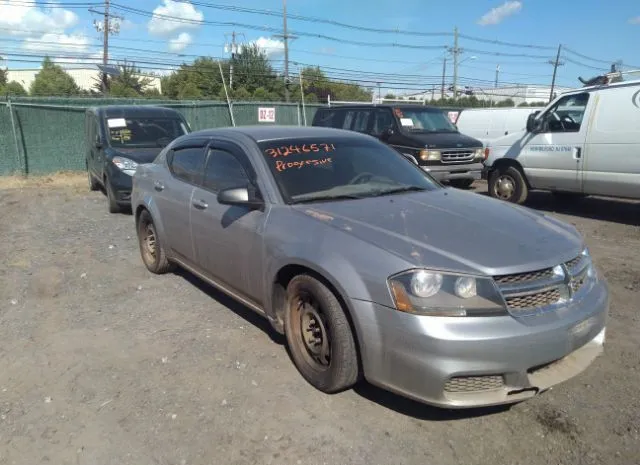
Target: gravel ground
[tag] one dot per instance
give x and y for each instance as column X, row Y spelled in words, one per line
column 103, row 363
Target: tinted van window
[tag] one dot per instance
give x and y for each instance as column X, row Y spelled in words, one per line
column 186, row 164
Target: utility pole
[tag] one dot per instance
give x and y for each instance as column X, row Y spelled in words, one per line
column 233, row 48
column 444, row 74
column 106, row 27
column 555, row 71
column 285, row 38
column 286, row 50
column 497, row 76
column 456, row 52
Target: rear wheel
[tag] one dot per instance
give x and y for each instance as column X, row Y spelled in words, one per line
column 461, row 183
column 319, row 336
column 151, row 250
column 508, row 183
column 93, row 184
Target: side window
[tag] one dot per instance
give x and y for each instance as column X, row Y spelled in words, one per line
column 325, row 118
column 186, row 164
column 348, row 120
column 567, row 114
column 383, row 119
column 224, row 171
column 361, row 120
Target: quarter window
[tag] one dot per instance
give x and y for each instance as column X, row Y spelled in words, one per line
column 186, row 164
column 224, row 171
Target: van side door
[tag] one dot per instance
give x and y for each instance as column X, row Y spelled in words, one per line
column 552, row 156
column 612, row 155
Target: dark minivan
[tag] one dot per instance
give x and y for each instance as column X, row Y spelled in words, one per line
column 424, row 134
column 118, row 138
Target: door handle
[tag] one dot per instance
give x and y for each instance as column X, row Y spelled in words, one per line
column 577, row 153
column 157, row 185
column 200, row 204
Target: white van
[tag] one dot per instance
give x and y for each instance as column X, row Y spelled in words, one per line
column 585, row 142
column 488, row 124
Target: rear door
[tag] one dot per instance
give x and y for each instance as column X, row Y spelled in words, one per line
column 227, row 239
column 552, row 158
column 173, row 194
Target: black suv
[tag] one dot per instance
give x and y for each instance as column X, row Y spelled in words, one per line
column 118, row 138
column 422, row 133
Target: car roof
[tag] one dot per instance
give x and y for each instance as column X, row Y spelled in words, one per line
column 406, row 106
column 111, row 111
column 275, row 132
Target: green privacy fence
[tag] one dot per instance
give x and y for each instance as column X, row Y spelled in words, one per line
column 45, row 135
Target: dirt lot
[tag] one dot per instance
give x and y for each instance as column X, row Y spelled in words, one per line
column 103, row 363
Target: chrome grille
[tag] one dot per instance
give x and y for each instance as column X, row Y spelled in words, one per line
column 456, row 156
column 474, row 383
column 526, row 293
column 530, row 301
column 525, row 277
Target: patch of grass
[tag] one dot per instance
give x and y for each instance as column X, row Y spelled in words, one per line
column 59, row 179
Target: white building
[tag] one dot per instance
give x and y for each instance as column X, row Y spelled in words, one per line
column 86, row 78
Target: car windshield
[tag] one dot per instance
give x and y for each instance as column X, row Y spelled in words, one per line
column 311, row 170
column 144, row 132
column 424, row 120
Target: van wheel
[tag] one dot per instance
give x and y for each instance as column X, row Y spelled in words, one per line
column 508, row 183
column 319, row 336
column 461, row 183
column 93, row 184
column 114, row 207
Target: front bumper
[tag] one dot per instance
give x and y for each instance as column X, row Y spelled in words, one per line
column 449, row 172
column 472, row 362
column 121, row 184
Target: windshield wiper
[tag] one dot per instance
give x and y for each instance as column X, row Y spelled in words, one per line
column 399, row 190
column 320, row 198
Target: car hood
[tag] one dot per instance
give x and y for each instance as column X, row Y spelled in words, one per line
column 139, row 155
column 452, row 229
column 444, row 140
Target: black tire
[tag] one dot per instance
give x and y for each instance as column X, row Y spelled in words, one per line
column 152, row 252
column 461, row 183
column 508, row 183
column 313, row 310
column 93, row 184
column 114, row 206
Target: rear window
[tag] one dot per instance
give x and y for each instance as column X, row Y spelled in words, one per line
column 327, row 118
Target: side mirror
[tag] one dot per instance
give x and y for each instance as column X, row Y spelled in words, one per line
column 387, row 133
column 532, row 124
column 411, row 158
column 98, row 142
column 240, row 196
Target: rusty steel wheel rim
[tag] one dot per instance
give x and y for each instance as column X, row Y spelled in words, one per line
column 311, row 334
column 149, row 243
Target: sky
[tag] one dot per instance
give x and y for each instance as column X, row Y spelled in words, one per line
column 593, row 33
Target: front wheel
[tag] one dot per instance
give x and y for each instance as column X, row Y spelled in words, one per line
column 114, row 206
column 319, row 336
column 508, row 183
column 93, row 184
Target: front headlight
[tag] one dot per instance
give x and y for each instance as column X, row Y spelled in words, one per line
column 591, row 269
column 126, row 165
column 430, row 155
column 479, row 154
column 433, row 293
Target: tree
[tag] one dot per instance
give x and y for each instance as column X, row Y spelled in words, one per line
column 252, row 70
column 201, row 79
column 389, row 96
column 3, row 77
column 52, row 80
column 129, row 83
column 13, row 88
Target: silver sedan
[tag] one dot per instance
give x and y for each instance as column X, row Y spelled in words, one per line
column 371, row 268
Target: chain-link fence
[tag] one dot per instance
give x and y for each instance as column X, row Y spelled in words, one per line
column 45, row 135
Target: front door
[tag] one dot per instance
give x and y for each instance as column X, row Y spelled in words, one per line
column 93, row 152
column 227, row 239
column 552, row 157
